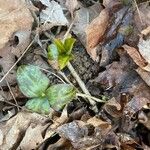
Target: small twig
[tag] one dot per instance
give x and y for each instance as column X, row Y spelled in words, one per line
column 17, row 60
column 138, row 11
column 52, row 74
column 80, row 82
column 3, row 100
column 89, row 96
column 65, row 77
column 11, row 92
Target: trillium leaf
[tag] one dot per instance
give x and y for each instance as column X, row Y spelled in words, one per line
column 68, row 44
column 60, row 46
column 32, row 82
column 60, row 94
column 63, row 60
column 52, row 52
column 39, row 105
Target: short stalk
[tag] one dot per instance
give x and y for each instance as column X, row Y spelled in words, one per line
column 91, row 97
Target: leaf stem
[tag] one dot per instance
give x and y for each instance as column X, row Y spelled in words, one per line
column 80, row 82
column 89, row 96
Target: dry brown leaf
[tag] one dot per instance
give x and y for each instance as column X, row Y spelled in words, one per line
column 113, row 108
column 82, row 19
column 16, row 22
column 135, row 55
column 17, row 128
column 72, row 5
column 146, row 31
column 99, row 123
column 144, row 46
column 111, row 3
column 95, row 32
column 145, row 75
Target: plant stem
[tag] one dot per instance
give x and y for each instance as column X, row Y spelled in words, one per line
column 89, row 96
column 80, row 82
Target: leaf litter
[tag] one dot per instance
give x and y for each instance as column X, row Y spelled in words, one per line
column 115, row 35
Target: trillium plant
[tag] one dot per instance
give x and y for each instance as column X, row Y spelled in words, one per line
column 34, row 84
column 59, row 52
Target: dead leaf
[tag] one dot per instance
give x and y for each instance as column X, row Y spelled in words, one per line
column 83, row 17
column 135, row 55
column 144, row 46
column 146, row 31
column 112, row 4
column 145, row 75
column 142, row 16
column 72, row 5
column 99, row 123
column 53, row 13
column 16, row 22
column 95, row 32
column 20, row 128
column 113, row 108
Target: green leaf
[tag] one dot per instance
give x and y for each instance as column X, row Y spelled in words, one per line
column 52, row 52
column 32, row 82
column 68, row 44
column 39, row 105
column 63, row 60
column 60, row 46
column 60, row 94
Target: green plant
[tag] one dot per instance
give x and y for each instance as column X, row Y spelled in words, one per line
column 59, row 53
column 35, row 85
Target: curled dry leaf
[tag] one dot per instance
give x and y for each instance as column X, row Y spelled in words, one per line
column 95, row 32
column 113, row 108
column 29, row 125
column 16, row 22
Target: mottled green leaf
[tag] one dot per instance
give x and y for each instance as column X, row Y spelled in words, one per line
column 63, row 60
column 52, row 52
column 39, row 105
column 60, row 94
column 68, row 44
column 60, row 46
column 32, row 82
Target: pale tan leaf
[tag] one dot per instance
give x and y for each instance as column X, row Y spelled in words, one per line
column 95, row 32
column 145, row 75
column 71, row 5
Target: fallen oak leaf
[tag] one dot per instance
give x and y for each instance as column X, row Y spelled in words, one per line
column 95, row 31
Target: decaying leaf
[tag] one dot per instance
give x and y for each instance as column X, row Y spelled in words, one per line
column 113, row 108
column 53, row 13
column 83, row 18
column 144, row 46
column 135, row 55
column 145, row 75
column 72, row 5
column 142, row 16
column 22, row 131
column 95, row 32
column 16, row 22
